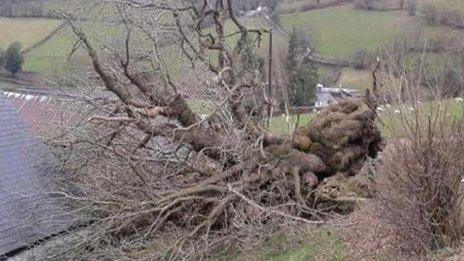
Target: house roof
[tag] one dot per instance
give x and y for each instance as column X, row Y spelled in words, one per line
column 326, row 96
column 27, row 212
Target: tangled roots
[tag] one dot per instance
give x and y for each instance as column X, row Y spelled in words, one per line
column 282, row 181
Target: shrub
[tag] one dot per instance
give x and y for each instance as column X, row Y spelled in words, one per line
column 419, row 184
column 378, row 5
column 2, row 58
column 361, row 60
column 13, row 58
column 303, row 75
column 451, row 16
column 430, row 13
column 412, row 7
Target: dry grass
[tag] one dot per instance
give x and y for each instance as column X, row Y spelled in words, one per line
column 366, row 236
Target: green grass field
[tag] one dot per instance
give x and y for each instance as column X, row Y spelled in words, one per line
column 340, row 31
column 356, row 79
column 281, row 125
column 444, row 4
column 27, row 31
column 50, row 58
column 53, row 59
column 288, row 6
column 389, row 118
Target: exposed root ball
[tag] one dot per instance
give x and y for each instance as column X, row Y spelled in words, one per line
column 343, row 135
column 283, row 178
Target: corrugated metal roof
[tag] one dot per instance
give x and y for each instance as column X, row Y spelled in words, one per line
column 27, row 212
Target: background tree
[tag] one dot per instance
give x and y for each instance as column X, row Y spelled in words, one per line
column 303, row 85
column 2, row 58
column 13, row 58
column 292, row 50
column 303, row 74
column 18, row 8
column 411, row 7
column 6, row 8
column 274, row 11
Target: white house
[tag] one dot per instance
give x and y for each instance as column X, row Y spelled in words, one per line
column 327, row 96
column 260, row 10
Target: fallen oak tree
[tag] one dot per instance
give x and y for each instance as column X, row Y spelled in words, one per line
column 210, row 173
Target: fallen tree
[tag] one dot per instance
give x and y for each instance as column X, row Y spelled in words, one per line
column 148, row 162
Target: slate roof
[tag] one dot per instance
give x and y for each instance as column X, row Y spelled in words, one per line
column 27, row 212
column 327, row 96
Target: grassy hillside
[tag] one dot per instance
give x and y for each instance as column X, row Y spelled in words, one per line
column 340, row 31
column 443, row 4
column 356, row 79
column 291, row 6
column 51, row 58
column 27, row 31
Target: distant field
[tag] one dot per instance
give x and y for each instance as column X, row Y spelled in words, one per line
column 445, row 4
column 50, row 5
column 388, row 118
column 340, row 31
column 27, row 31
column 432, row 64
column 50, row 59
column 356, row 79
column 288, row 6
column 280, row 125
column 391, row 123
column 52, row 48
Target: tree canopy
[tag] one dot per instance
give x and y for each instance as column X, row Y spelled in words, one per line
column 13, row 58
column 303, row 75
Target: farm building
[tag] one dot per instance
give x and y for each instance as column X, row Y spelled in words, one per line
column 28, row 211
column 327, row 96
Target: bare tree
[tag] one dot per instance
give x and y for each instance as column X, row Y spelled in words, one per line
column 148, row 162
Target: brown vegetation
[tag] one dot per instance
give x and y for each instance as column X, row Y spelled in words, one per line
column 305, row 7
column 417, row 194
column 417, row 203
column 436, row 15
column 146, row 162
column 420, row 187
column 380, row 5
